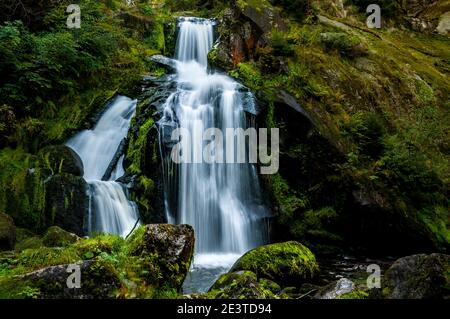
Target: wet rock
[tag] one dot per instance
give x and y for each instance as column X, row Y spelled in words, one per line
column 239, row 285
column 418, row 277
column 168, row 63
column 66, row 201
column 336, row 289
column 143, row 157
column 113, row 164
column 61, row 159
column 288, row 263
column 170, row 246
column 7, row 232
column 98, row 280
column 58, row 237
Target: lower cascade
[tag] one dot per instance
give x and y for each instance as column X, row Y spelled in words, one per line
column 110, row 211
column 222, row 201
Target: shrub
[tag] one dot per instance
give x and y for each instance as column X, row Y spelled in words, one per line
column 347, row 45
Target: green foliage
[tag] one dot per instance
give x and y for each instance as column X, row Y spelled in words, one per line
column 249, row 74
column 347, row 45
column 280, row 44
column 408, row 169
column 287, row 199
column 297, row 8
column 114, row 258
column 355, row 294
column 47, row 256
column 66, row 73
column 367, row 131
column 313, row 225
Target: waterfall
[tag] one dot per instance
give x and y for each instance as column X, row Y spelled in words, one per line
column 222, row 201
column 110, row 211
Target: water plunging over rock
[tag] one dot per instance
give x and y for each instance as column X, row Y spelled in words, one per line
column 222, row 202
column 110, row 210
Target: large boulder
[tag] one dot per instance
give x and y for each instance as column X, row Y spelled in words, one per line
column 61, row 159
column 418, row 277
column 170, row 247
column 7, row 232
column 58, row 237
column 288, row 263
column 66, row 202
column 240, row 285
column 98, row 280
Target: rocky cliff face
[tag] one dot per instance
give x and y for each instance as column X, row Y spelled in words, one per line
column 317, row 77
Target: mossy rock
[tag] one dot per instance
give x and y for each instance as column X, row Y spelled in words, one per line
column 418, row 277
column 29, row 243
column 61, row 159
column 288, row 263
column 7, row 232
column 99, row 280
column 58, row 237
column 239, row 285
column 170, row 247
column 269, row 285
column 66, row 202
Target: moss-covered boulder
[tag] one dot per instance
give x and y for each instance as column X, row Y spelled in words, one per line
column 239, row 285
column 58, row 237
column 61, row 159
column 418, row 277
column 288, row 263
column 98, row 280
column 66, row 202
column 142, row 158
column 7, row 232
column 170, row 247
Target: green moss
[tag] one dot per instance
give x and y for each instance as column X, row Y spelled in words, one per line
column 281, row 262
column 355, row 294
column 270, row 285
column 97, row 244
column 116, row 262
column 345, row 44
column 249, row 74
column 285, row 197
column 58, row 237
column 239, row 285
column 46, row 256
column 138, row 145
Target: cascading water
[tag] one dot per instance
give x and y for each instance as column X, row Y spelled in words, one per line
column 222, row 201
column 110, row 210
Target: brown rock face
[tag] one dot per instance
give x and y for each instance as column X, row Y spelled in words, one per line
column 243, row 29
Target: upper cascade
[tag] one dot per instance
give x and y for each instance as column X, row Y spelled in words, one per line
column 222, row 201
column 195, row 39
